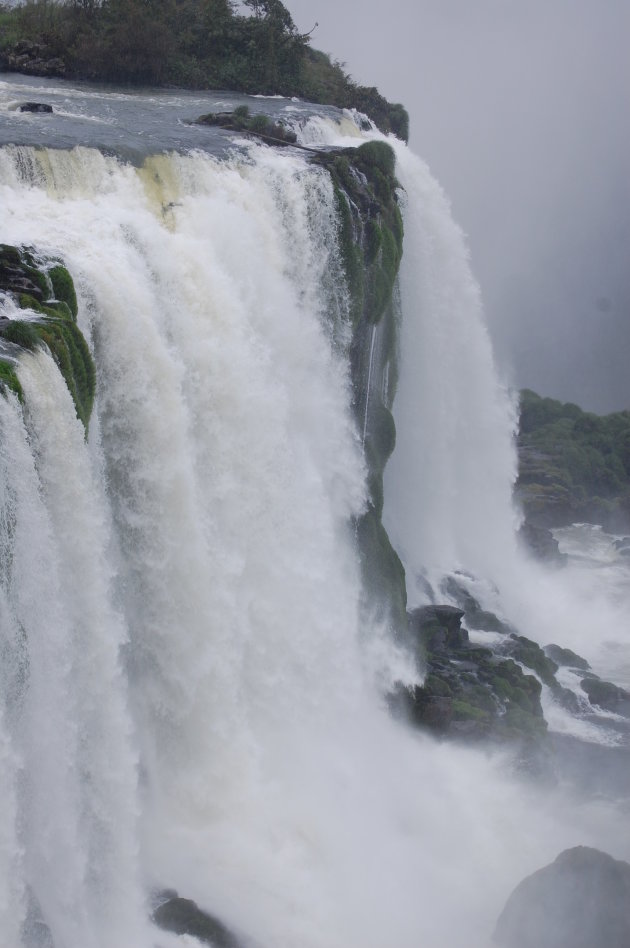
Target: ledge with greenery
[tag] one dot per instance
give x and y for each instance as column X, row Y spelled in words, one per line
column 44, row 290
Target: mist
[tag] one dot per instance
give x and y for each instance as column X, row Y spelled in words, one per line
column 521, row 112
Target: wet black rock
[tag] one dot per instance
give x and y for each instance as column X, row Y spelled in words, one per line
column 184, row 917
column 606, row 695
column 38, row 107
column 474, row 616
column 565, row 657
column 582, row 900
column 541, row 542
column 469, row 691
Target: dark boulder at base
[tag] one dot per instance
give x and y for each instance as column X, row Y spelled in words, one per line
column 184, row 917
column 582, row 900
column 541, row 542
column 39, row 107
column 470, row 692
column 606, row 695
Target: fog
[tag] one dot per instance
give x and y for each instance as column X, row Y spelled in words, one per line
column 521, row 110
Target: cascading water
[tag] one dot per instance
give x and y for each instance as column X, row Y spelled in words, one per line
column 448, row 485
column 187, row 698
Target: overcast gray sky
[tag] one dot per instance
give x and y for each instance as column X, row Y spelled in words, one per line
column 522, row 109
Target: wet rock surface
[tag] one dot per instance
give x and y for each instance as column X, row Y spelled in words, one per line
column 582, row 900
column 184, row 917
column 493, row 691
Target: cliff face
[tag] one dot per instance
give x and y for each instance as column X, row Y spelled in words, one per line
column 371, row 236
column 574, row 466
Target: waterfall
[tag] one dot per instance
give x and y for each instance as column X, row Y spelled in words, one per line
column 189, row 694
column 448, row 484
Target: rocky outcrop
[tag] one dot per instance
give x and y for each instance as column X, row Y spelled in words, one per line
column 33, row 59
column 476, row 691
column 43, row 289
column 371, row 242
column 470, row 691
column 259, row 125
column 582, row 900
column 184, row 917
column 541, row 542
column 606, row 695
column 41, row 108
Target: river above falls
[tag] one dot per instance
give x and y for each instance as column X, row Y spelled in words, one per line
column 129, row 122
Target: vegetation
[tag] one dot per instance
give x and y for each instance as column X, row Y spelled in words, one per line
column 370, row 240
column 189, row 43
column 371, row 228
column 45, row 291
column 241, row 120
column 573, row 465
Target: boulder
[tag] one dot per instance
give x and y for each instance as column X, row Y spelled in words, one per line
column 470, row 692
column 184, row 917
column 582, row 900
column 566, row 658
column 541, row 542
column 606, row 695
column 38, row 107
column 437, row 626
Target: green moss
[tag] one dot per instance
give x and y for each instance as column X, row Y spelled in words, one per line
column 9, row 379
column 463, row 711
column 54, row 325
column 71, row 353
column 373, row 241
column 63, row 288
column 531, row 655
column 435, row 685
column 22, row 333
column 377, row 155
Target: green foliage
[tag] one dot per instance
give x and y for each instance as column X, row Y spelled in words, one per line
column 240, row 120
column 325, row 81
column 63, row 288
column 54, row 324
column 573, row 464
column 9, row 379
column 379, row 155
column 21, row 333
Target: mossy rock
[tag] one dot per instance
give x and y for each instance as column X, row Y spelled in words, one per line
column 565, row 657
column 377, row 155
column 9, row 379
column 48, row 293
column 21, row 333
column 241, row 120
column 531, row 654
column 63, row 288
